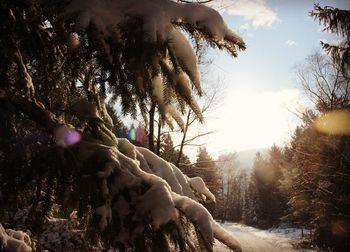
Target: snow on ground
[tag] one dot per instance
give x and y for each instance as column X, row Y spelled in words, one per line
column 256, row 240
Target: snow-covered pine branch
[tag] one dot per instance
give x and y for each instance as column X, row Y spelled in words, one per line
column 170, row 190
column 146, row 39
column 69, row 55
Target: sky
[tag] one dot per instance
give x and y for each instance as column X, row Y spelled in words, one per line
column 261, row 93
column 260, row 97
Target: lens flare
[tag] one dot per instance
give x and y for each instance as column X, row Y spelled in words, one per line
column 137, row 134
column 72, row 137
column 140, row 134
column 65, row 136
column 336, row 122
column 132, row 135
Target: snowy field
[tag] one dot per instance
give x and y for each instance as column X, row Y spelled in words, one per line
column 256, row 240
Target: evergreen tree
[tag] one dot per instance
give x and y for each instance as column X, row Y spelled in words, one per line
column 314, row 182
column 251, row 203
column 167, row 150
column 259, row 191
column 185, row 165
column 226, row 165
column 59, row 156
column 170, row 154
column 119, row 128
column 235, row 196
column 206, row 169
column 279, row 201
column 231, row 200
column 265, row 189
column 317, row 165
column 336, row 21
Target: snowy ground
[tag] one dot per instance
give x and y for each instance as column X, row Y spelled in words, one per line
column 256, row 240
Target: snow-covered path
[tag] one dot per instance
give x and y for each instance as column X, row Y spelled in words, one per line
column 255, row 240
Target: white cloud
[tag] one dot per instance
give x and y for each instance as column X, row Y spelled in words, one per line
column 257, row 11
column 244, row 28
column 291, row 43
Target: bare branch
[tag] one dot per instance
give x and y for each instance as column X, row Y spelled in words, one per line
column 195, row 1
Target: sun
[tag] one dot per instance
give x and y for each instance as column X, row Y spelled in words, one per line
column 251, row 119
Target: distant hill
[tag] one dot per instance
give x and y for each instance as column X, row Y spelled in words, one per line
column 246, row 158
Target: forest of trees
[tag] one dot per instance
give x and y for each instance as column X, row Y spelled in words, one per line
column 70, row 72
column 306, row 183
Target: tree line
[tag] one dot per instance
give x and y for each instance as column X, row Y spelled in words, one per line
column 305, row 183
column 60, row 156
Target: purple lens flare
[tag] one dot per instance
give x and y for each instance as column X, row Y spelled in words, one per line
column 65, row 136
column 72, row 137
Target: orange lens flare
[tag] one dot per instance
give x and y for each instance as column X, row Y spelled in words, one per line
column 336, row 122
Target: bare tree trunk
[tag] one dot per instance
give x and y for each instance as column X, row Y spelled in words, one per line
column 302, row 232
column 183, row 138
column 158, row 137
column 151, row 128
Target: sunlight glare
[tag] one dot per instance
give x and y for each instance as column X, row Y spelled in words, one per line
column 336, row 122
column 251, row 119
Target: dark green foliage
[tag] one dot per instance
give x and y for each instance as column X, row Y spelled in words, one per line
column 235, row 198
column 205, row 168
column 170, row 153
column 336, row 21
column 167, row 149
column 119, row 129
column 267, row 203
column 314, row 166
column 316, row 172
column 316, row 181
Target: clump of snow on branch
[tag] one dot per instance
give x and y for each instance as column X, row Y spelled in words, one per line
column 160, row 21
column 225, row 237
column 161, row 168
column 13, row 240
column 169, row 193
column 183, row 51
column 56, row 234
column 158, row 18
column 199, row 186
